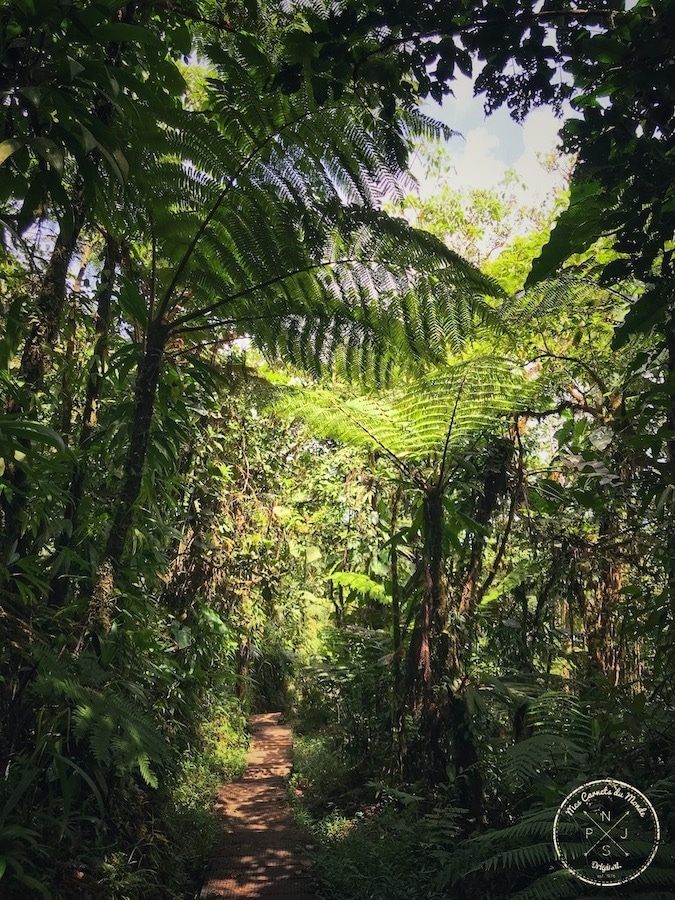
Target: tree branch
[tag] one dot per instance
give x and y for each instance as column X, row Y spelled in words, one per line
column 599, row 381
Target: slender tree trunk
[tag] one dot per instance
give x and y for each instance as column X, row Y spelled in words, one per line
column 669, row 563
column 243, row 670
column 51, row 300
column 670, row 351
column 43, row 335
column 65, row 417
column 435, row 655
column 598, row 614
column 147, row 381
column 420, row 673
column 468, row 777
column 96, row 376
column 60, row 582
column 398, row 705
column 430, row 651
column 395, row 600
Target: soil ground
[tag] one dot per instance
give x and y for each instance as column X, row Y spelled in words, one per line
column 261, row 852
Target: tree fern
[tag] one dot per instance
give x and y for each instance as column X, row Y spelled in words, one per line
column 556, row 886
column 268, row 208
column 524, row 847
column 525, row 851
column 531, row 856
column 653, row 884
column 541, row 756
column 550, row 297
column 561, row 713
column 440, row 411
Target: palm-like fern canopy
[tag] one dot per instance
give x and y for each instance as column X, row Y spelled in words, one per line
column 267, row 206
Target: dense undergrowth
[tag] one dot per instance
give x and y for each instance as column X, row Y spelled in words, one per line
column 472, row 483
column 154, row 841
column 380, row 835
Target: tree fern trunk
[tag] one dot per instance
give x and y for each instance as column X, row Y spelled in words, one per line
column 427, row 660
column 434, row 656
column 398, row 705
column 419, row 677
column 468, row 778
column 147, row 381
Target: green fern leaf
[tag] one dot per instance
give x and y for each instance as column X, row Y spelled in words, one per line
column 148, row 775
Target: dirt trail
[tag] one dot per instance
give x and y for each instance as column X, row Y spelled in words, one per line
column 261, row 853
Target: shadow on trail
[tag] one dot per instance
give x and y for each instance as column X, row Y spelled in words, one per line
column 261, row 853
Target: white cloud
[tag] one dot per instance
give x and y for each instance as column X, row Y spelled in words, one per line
column 478, row 165
column 540, row 140
column 485, row 153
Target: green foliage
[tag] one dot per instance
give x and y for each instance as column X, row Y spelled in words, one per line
column 488, row 529
column 624, row 115
column 357, row 582
column 351, row 687
column 72, row 75
column 418, row 49
column 318, row 762
column 439, row 412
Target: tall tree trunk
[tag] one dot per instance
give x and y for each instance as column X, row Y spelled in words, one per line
column 243, row 670
column 65, row 416
column 420, row 669
column 435, row 654
column 430, row 654
column 43, row 335
column 670, row 364
column 51, row 299
column 147, row 381
column 398, row 705
column 96, row 375
column 598, row 607
column 60, row 582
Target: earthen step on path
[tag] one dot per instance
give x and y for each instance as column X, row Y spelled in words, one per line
column 261, row 853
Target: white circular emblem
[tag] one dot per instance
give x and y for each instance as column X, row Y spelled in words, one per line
column 606, row 832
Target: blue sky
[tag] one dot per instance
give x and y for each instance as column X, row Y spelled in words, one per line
column 490, row 145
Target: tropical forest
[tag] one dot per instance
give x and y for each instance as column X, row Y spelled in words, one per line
column 303, row 441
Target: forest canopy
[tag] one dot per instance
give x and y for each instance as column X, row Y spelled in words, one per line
column 277, row 434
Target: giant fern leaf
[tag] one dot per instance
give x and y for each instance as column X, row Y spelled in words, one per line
column 419, row 423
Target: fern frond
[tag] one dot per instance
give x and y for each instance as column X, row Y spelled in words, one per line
column 531, row 856
column 546, row 298
column 561, row 713
column 113, row 724
column 654, row 884
column 148, row 775
column 445, row 408
column 556, row 886
column 539, row 755
column 490, row 851
column 268, row 208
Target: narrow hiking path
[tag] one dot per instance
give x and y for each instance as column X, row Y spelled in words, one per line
column 261, row 852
